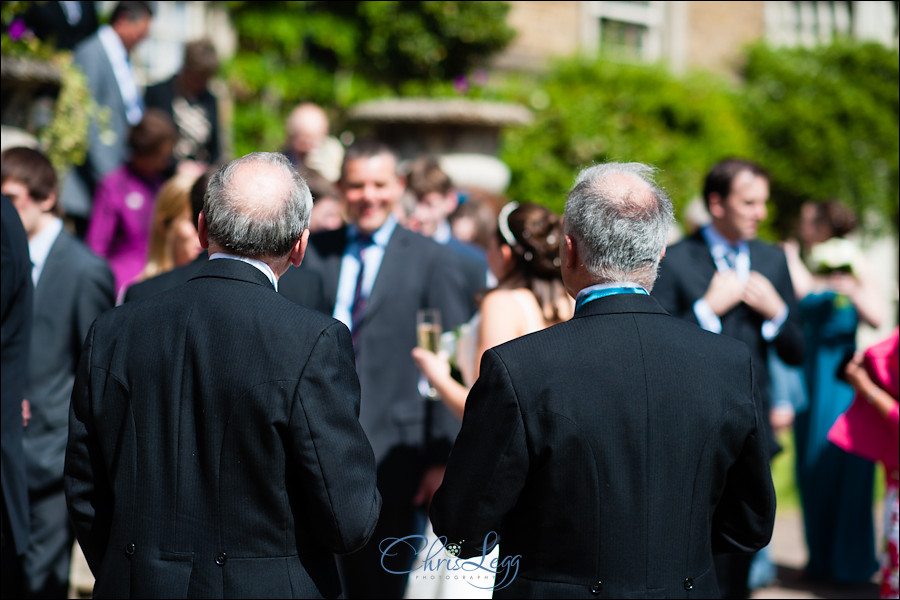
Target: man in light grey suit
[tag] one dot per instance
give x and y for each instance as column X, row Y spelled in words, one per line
column 104, row 59
column 71, row 287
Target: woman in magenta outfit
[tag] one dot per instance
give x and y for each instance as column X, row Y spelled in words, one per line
column 871, row 428
column 119, row 229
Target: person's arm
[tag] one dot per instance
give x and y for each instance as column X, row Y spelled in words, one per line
column 101, row 229
column 859, row 379
column 863, row 290
column 477, row 493
column 745, row 515
column 801, row 278
column 96, row 295
column 326, row 438
column 89, row 495
column 436, row 368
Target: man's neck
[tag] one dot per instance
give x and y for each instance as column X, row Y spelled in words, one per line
column 728, row 237
column 44, row 221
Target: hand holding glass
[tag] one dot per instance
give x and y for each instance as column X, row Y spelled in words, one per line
column 428, row 334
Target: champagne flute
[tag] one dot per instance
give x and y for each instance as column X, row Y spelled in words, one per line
column 428, row 336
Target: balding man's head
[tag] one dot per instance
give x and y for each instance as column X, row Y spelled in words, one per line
column 307, row 128
column 257, row 206
column 620, row 220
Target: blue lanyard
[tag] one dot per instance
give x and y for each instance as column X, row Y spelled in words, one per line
column 602, row 293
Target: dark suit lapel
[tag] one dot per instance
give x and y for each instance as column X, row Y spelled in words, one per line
column 54, row 268
column 701, row 257
column 394, row 265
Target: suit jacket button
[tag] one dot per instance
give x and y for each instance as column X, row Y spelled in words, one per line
column 129, row 550
column 688, row 584
column 220, row 558
column 596, row 587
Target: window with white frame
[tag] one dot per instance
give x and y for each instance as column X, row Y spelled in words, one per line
column 625, row 30
column 811, row 22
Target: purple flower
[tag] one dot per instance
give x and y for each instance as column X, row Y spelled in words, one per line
column 17, row 29
column 461, row 84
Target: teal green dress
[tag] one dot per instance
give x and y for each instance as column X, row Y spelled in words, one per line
column 835, row 487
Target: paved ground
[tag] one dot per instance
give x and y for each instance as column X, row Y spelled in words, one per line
column 787, row 550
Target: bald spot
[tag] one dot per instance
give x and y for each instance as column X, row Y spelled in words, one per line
column 262, row 189
column 308, row 119
column 632, row 195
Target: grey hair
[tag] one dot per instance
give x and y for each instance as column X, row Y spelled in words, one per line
column 620, row 224
column 244, row 228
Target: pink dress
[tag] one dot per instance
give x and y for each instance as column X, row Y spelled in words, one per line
column 863, row 431
column 120, row 225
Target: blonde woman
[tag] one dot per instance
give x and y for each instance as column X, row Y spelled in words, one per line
column 173, row 239
column 524, row 256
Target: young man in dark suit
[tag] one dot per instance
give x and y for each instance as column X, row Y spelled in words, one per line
column 647, row 430
column 401, row 272
column 72, row 286
column 725, row 280
column 214, row 442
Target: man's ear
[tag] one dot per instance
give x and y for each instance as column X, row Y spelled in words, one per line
column 451, row 201
column 299, row 249
column 202, row 231
column 46, row 205
column 716, row 205
column 572, row 258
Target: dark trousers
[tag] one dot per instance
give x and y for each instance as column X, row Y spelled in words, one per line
column 10, row 561
column 50, row 547
column 381, row 568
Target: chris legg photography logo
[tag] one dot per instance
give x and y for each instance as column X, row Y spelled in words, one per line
column 432, row 562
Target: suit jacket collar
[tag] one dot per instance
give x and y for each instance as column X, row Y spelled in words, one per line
column 393, row 268
column 55, row 264
column 233, row 269
column 621, row 304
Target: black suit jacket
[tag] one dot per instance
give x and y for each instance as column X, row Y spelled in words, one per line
column 163, row 94
column 407, row 432
column 299, row 284
column 613, row 454
column 16, row 307
column 214, row 445
column 75, row 287
column 684, row 276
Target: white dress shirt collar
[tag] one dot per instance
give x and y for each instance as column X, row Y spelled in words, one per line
column 266, row 269
column 39, row 247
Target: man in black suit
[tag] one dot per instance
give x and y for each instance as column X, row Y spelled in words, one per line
column 15, row 334
column 71, row 287
column 214, row 442
column 186, row 98
column 401, row 272
column 615, row 452
column 725, row 280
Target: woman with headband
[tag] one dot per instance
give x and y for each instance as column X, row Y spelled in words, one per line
column 529, row 296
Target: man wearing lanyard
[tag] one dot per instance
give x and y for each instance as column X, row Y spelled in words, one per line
column 646, row 429
column 728, row 282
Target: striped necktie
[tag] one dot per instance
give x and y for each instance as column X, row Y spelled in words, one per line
column 360, row 298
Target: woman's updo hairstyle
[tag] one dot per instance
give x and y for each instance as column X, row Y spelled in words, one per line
column 533, row 233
